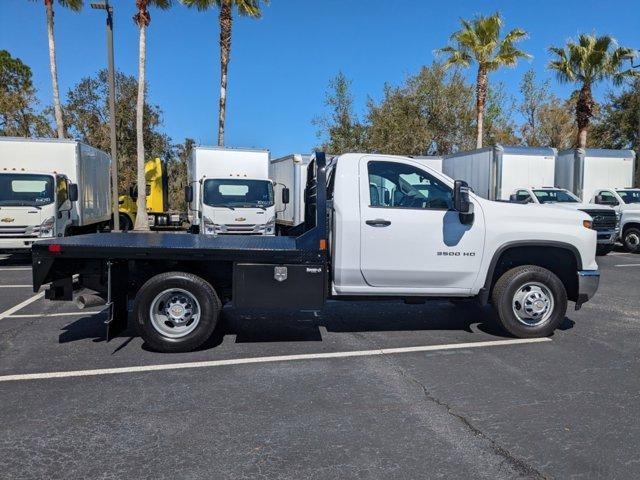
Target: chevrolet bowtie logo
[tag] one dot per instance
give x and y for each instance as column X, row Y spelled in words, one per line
column 7, row 220
column 240, row 219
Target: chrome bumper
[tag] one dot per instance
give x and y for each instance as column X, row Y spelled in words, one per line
column 588, row 281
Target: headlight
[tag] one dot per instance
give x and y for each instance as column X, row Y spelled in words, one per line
column 587, row 224
column 270, row 227
column 210, row 228
column 47, row 227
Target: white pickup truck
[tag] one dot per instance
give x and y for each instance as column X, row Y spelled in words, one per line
column 605, row 219
column 376, row 227
column 626, row 202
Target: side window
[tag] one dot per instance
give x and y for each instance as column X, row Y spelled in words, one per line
column 397, row 185
column 608, row 198
column 523, row 196
column 62, row 192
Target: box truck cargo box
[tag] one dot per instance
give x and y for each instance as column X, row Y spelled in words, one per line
column 290, row 172
column 495, row 172
column 583, row 171
column 431, row 161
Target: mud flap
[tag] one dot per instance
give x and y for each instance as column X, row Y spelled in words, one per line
column 117, row 311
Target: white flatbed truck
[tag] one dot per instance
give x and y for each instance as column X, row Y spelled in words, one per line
column 429, row 238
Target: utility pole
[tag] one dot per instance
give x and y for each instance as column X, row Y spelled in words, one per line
column 112, row 111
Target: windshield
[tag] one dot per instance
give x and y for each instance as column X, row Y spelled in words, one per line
column 25, row 190
column 238, row 193
column 555, row 196
column 629, row 196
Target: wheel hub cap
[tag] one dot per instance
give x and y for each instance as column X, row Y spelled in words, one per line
column 633, row 240
column 175, row 313
column 533, row 304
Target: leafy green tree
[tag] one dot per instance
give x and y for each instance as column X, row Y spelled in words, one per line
column 499, row 125
column 248, row 8
column 74, row 5
column 142, row 19
column 534, row 97
column 587, row 61
column 556, row 125
column 176, row 167
column 18, row 99
column 87, row 115
column 479, row 41
column 340, row 131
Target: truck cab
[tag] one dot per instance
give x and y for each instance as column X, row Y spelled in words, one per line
column 230, row 192
column 626, row 202
column 33, row 206
column 605, row 219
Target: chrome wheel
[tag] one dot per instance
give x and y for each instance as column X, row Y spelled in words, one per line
column 533, row 304
column 175, row 313
column 632, row 240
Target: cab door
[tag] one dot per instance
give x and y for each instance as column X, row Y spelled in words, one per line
column 410, row 235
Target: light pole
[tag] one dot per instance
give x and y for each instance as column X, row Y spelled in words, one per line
column 112, row 111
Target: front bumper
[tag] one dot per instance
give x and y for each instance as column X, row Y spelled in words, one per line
column 608, row 237
column 588, row 281
column 17, row 243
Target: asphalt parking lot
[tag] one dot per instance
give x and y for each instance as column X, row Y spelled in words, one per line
column 375, row 390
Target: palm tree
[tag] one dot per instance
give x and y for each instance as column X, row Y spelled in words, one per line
column 590, row 60
column 142, row 19
column 75, row 5
column 479, row 40
column 249, row 8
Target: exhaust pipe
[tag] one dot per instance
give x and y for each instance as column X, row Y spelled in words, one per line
column 88, row 301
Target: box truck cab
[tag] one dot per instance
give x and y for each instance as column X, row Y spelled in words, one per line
column 230, row 192
column 51, row 188
column 604, row 218
column 626, row 201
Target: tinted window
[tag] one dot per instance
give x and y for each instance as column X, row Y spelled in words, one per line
column 62, row 192
column 397, row 185
column 238, row 193
column 555, row 196
column 609, row 198
column 523, row 196
column 25, row 190
column 630, row 196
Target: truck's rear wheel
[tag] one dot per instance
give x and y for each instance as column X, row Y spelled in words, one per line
column 531, row 301
column 631, row 239
column 125, row 223
column 176, row 311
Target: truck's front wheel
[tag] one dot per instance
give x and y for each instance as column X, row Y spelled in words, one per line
column 176, row 311
column 631, row 239
column 530, row 301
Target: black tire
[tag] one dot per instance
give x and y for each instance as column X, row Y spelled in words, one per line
column 125, row 223
column 209, row 303
column 631, row 239
column 602, row 250
column 512, row 281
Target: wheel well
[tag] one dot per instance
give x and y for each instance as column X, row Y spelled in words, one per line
column 558, row 260
column 630, row 225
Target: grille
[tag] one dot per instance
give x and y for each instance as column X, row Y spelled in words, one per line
column 247, row 229
column 19, row 231
column 603, row 220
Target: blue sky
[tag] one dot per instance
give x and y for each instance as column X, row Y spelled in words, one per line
column 282, row 63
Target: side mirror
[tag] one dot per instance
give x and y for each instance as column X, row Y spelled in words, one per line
column 285, row 195
column 599, row 200
column 513, row 198
column 73, row 192
column 188, row 194
column 461, row 202
column 133, row 192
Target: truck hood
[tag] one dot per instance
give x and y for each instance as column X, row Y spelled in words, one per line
column 579, row 206
column 631, row 208
column 21, row 216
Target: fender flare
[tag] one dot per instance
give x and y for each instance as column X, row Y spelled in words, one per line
column 486, row 289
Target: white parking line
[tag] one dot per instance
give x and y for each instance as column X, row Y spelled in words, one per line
column 19, row 306
column 282, row 358
column 61, row 314
column 16, row 286
column 14, row 269
column 628, row 265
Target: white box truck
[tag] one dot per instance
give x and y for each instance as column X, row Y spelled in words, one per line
column 230, row 192
column 495, row 172
column 431, row 161
column 51, row 188
column 289, row 172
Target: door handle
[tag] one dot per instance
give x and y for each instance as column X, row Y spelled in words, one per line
column 378, row 222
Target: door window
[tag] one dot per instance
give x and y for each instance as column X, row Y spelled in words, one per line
column 523, row 196
column 398, row 185
column 608, row 198
column 62, row 191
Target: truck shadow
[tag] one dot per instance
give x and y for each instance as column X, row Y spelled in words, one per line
column 280, row 326
column 8, row 259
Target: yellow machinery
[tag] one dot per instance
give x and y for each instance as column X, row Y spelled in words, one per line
column 157, row 200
